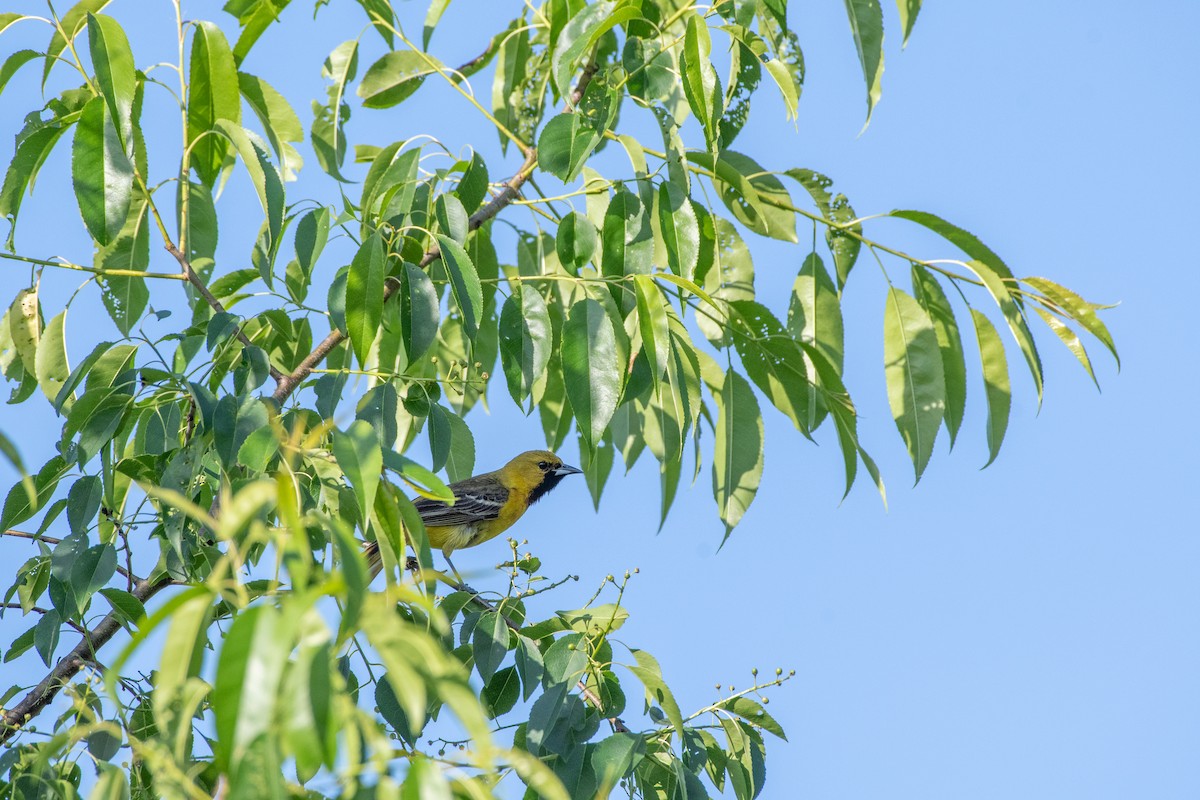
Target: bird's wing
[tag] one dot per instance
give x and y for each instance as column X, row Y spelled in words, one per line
column 474, row 502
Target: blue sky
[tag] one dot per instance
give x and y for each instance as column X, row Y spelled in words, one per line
column 1029, row 630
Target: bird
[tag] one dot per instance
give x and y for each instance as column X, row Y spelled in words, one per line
column 485, row 505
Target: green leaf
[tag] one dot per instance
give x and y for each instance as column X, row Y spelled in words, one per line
column 614, row 758
column 842, row 236
column 464, row 283
column 312, row 232
column 364, row 296
column 51, row 363
column 512, row 63
column 580, row 34
column 308, row 693
column 529, row 665
column 267, row 182
column 995, row 382
column 575, row 242
column 963, row 240
column 113, row 61
column 394, row 77
column 627, row 241
column 72, row 23
column 737, row 450
column 249, row 675
column 460, row 462
column 125, row 605
column 915, row 379
column 649, row 673
column 83, row 501
column 591, row 367
column 931, row 297
column 328, row 139
column 126, row 296
column 1014, row 315
column 451, row 217
column 417, row 312
column 526, row 340
column 596, row 463
column 489, row 643
column 866, row 23
column 756, row 197
column 1077, row 309
column 701, row 86
column 815, row 317
column 45, row 637
column 1071, row 340
column 501, row 693
column 745, row 74
column 908, row 16
column 279, row 121
column 680, row 230
column 568, row 139
column 438, row 421
column 90, row 572
column 775, row 362
column 358, row 454
column 212, row 96
column 432, row 17
column 13, row 63
column 652, row 308
column 102, row 173
column 753, row 713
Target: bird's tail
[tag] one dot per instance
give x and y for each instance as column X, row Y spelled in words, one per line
column 374, row 559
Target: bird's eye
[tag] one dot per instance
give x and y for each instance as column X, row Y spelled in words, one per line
column 543, row 466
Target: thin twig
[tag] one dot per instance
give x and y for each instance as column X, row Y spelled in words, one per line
column 40, row 610
column 122, row 571
column 211, row 299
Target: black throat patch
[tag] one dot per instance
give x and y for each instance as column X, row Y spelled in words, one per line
column 549, row 482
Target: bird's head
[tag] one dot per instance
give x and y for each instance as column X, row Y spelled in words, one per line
column 540, row 470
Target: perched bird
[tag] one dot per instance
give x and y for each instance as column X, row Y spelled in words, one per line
column 484, row 505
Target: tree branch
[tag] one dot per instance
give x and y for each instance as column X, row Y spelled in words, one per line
column 124, row 572
column 287, row 384
column 211, row 299
column 36, row 700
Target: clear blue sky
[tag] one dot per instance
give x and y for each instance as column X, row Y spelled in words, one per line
column 1032, row 630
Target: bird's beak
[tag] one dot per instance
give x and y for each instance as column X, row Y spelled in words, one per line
column 567, row 469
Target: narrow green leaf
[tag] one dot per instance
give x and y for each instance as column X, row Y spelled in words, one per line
column 753, row 713
column 842, row 236
column 652, row 322
column 263, row 174
column 908, row 16
column 596, row 463
column 417, row 312
column 775, row 362
column 125, row 604
column 113, row 61
column 102, row 173
column 737, row 449
column 526, row 339
column 45, row 637
column 614, row 758
column 931, row 297
column 212, row 96
column 701, row 86
column 866, row 23
column 963, row 240
column 326, row 135
column 51, row 363
column 249, row 674
column 91, row 571
column 1071, row 340
column 13, row 63
column 649, row 673
column 995, row 382
column 591, row 367
column 757, row 198
column 364, row 296
column 1077, row 309
column 432, row 17
column 126, row 296
column 580, row 34
column 72, row 23
column 278, row 119
column 1014, row 315
column 627, row 242
column 361, row 460
column 451, row 217
column 460, row 463
column 680, row 230
column 464, row 284
column 915, row 378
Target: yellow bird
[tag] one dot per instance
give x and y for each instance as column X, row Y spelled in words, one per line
column 484, row 505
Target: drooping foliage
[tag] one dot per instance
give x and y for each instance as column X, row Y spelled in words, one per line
column 257, row 430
